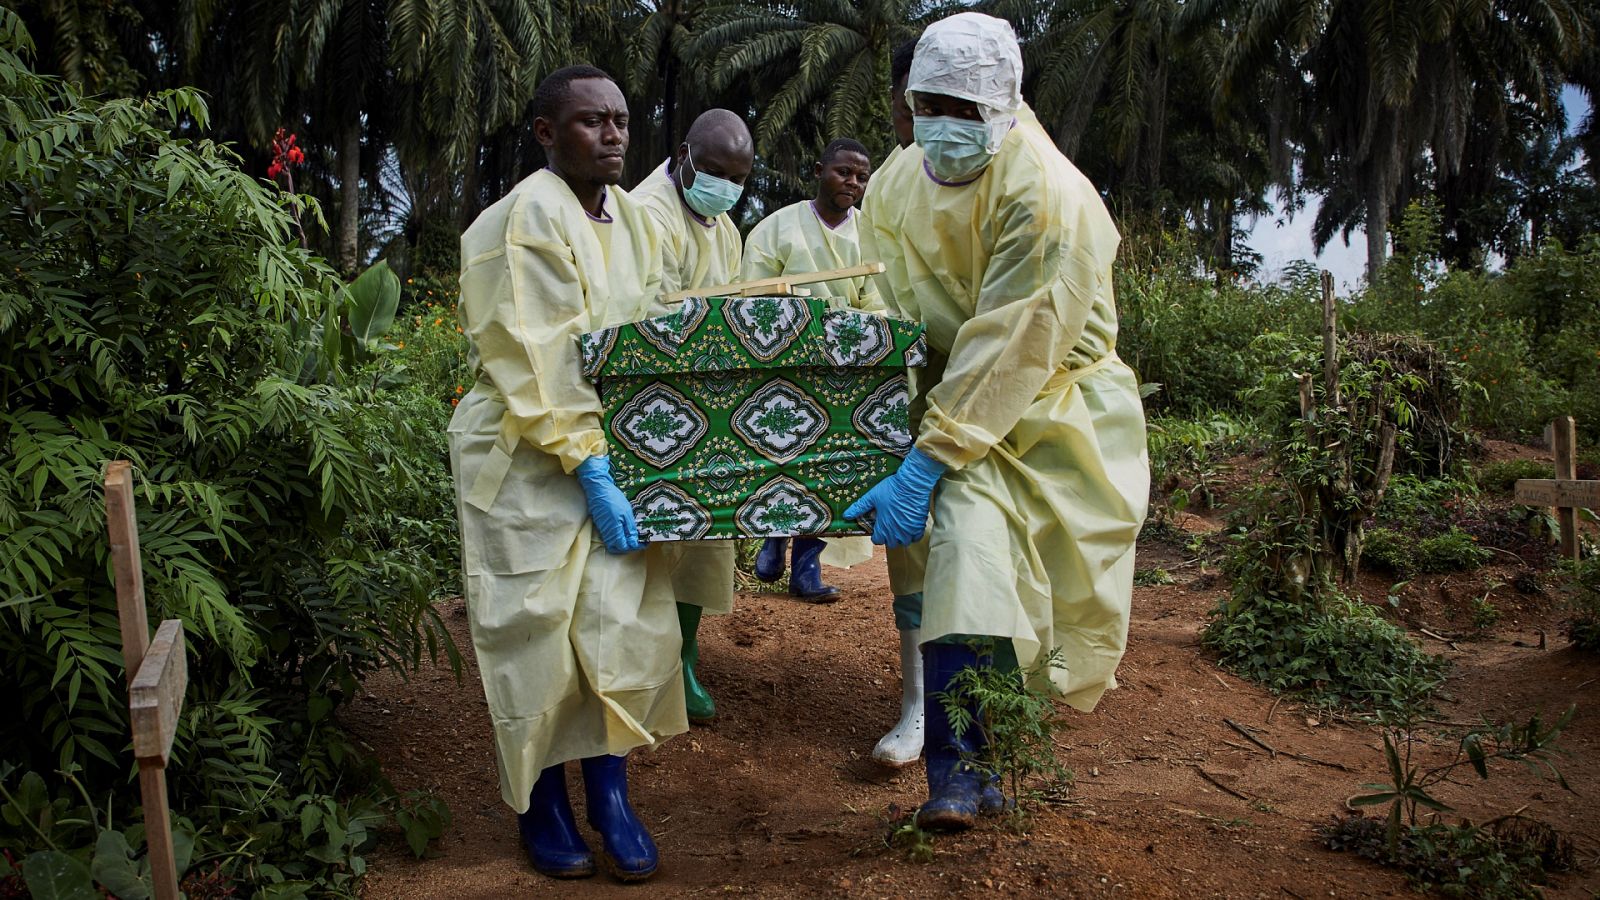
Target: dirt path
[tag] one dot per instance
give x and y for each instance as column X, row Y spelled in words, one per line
column 779, row 798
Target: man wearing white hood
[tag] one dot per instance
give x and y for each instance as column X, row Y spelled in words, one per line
column 1030, row 450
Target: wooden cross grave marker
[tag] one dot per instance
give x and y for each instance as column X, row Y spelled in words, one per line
column 1564, row 492
column 157, row 675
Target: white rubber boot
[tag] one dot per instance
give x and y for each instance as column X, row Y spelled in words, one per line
column 903, row 744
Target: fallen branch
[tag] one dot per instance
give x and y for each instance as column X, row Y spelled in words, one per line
column 1212, row 778
column 1271, row 750
column 1274, row 751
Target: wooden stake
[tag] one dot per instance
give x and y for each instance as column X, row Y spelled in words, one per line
column 158, row 692
column 1566, row 452
column 124, row 529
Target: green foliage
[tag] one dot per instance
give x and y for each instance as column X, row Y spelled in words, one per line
column 1017, row 721
column 1197, row 338
column 1502, row 860
column 155, row 309
column 1152, row 577
column 1411, row 499
column 1526, row 339
column 1343, row 655
column 1285, row 623
column 1500, row 477
column 1409, row 787
column 1185, row 455
column 1583, row 629
column 1389, row 551
column 1452, row 551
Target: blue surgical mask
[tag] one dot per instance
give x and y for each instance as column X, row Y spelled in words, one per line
column 709, row 196
column 955, row 148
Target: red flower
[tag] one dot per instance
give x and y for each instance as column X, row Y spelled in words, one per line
column 296, row 155
column 274, row 170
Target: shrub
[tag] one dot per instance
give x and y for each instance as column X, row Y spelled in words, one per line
column 155, row 309
column 1390, row 551
column 1345, row 654
column 1411, row 500
column 1193, row 336
column 1452, row 551
column 1189, row 450
column 1583, row 629
column 1500, row 477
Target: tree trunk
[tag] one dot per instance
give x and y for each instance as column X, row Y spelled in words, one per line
column 1377, row 204
column 348, row 241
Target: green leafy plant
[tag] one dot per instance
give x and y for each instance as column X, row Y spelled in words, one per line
column 1017, row 718
column 1490, row 861
column 1184, row 460
column 1152, row 577
column 1390, row 551
column 1503, row 859
column 156, row 308
column 1501, row 476
column 1583, row 628
column 1452, row 551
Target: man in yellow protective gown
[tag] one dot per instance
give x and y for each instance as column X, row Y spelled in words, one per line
column 814, row 236
column 1030, row 451
column 574, row 629
column 688, row 198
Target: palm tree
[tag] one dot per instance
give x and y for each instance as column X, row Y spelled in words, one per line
column 1388, row 85
column 818, row 65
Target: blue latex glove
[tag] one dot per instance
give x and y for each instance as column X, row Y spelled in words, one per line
column 610, row 510
column 901, row 501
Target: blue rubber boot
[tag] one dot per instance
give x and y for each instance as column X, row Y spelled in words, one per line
column 769, row 562
column 953, row 787
column 991, row 800
column 805, row 571
column 549, row 833
column 627, row 852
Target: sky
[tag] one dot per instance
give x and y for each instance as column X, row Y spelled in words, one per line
column 1282, row 243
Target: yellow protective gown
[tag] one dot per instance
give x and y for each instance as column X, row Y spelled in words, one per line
column 578, row 649
column 695, row 253
column 795, row 239
column 1024, row 399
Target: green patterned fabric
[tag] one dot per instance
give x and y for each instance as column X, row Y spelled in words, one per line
column 753, row 416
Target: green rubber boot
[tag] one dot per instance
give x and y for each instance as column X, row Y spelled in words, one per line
column 702, row 709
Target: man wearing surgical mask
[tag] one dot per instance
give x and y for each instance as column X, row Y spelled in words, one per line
column 1030, row 441
column 688, row 197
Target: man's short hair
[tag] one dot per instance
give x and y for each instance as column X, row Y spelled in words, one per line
column 900, row 62
column 842, row 145
column 556, row 87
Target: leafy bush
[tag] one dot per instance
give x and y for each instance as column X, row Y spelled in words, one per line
column 1452, row 551
column 1583, row 629
column 1505, row 860
column 1526, row 338
column 1184, row 459
column 154, row 309
column 1417, row 503
column 1345, row 654
column 1195, row 337
column 1285, row 622
column 1390, row 551
column 1499, row 859
column 1500, row 477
